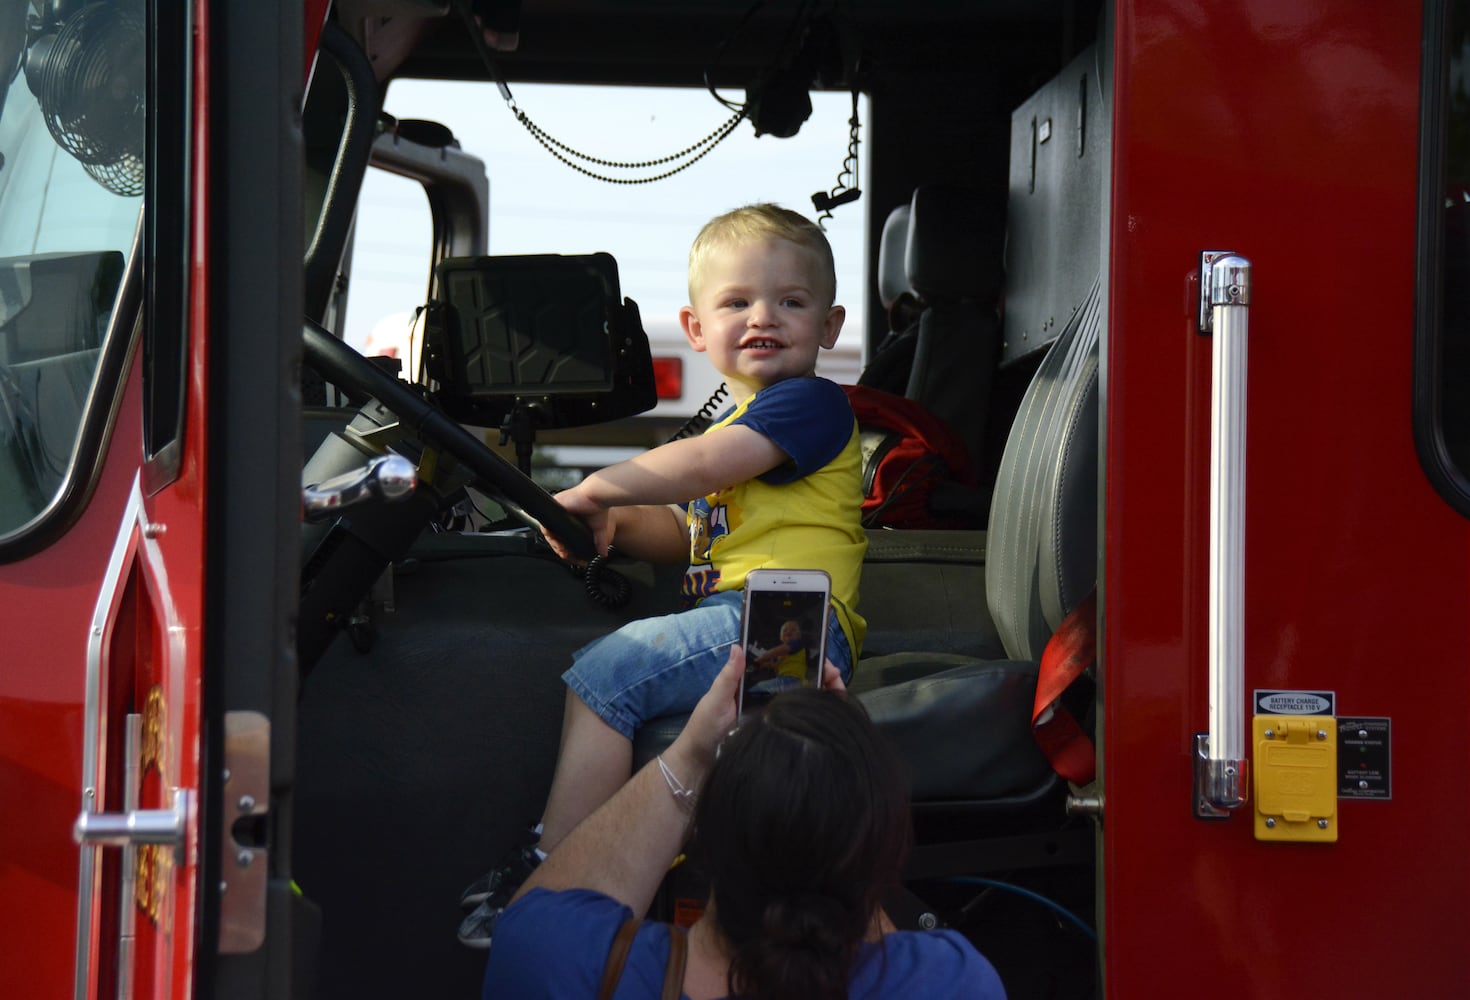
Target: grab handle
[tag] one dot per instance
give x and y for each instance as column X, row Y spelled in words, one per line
column 1220, row 761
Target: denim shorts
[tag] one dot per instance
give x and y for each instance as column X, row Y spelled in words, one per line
column 663, row 666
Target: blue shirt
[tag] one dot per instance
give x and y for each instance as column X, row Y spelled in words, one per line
column 554, row 945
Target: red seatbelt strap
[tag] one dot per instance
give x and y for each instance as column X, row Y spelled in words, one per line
column 1071, row 650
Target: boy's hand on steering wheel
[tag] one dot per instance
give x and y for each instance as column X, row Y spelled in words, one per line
column 597, row 518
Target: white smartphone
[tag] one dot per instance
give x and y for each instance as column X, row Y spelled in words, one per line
column 783, row 630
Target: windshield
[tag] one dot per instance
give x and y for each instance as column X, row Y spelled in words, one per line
column 71, row 183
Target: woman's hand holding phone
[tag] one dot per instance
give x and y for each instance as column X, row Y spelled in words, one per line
column 717, row 713
column 711, row 721
column 832, row 678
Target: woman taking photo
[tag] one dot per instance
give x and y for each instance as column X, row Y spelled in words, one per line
column 800, row 824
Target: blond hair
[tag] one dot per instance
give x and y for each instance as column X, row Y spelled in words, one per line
column 764, row 221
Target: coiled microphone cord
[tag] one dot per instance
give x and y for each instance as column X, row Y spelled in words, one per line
column 605, row 585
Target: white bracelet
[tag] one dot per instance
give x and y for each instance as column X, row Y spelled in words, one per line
column 684, row 796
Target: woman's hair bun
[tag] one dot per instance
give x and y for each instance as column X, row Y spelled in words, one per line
column 809, row 921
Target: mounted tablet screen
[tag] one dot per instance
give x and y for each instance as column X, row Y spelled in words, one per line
column 546, row 332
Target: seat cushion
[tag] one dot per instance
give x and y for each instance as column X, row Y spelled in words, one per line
column 962, row 725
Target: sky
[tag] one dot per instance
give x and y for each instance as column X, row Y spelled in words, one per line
column 540, row 205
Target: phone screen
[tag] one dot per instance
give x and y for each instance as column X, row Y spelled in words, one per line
column 785, row 631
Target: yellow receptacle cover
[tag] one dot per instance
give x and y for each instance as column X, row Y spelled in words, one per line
column 1295, row 773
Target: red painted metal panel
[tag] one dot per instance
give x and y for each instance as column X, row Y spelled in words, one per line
column 149, row 663
column 1289, row 134
column 315, row 16
column 46, row 605
column 181, row 509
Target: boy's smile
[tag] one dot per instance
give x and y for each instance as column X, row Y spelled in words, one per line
column 762, row 314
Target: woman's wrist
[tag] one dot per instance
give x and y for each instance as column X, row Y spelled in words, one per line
column 684, row 766
column 693, row 752
column 683, row 794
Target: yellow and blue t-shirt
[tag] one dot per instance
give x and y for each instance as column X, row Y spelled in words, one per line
column 803, row 514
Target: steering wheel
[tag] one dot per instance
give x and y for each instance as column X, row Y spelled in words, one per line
column 344, row 367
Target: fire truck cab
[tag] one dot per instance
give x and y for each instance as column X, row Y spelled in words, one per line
column 282, row 641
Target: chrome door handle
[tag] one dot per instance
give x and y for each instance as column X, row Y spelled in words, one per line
column 137, row 826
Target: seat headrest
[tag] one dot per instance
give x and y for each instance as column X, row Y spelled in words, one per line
column 955, row 245
column 893, row 279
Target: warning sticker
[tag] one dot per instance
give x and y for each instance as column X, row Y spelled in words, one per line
column 1271, row 702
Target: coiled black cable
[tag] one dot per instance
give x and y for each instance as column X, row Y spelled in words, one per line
column 605, row 586
column 846, row 189
column 705, row 416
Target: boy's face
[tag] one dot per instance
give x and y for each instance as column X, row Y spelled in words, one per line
column 761, row 314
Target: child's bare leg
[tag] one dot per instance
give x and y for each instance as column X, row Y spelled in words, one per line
column 596, row 760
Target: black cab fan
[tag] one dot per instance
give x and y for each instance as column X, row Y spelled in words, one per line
column 88, row 76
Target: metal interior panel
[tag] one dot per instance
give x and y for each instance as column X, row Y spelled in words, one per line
column 1059, row 149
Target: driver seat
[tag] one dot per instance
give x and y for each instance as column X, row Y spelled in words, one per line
column 963, row 724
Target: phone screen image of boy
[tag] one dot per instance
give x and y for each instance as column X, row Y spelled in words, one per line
column 784, row 640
